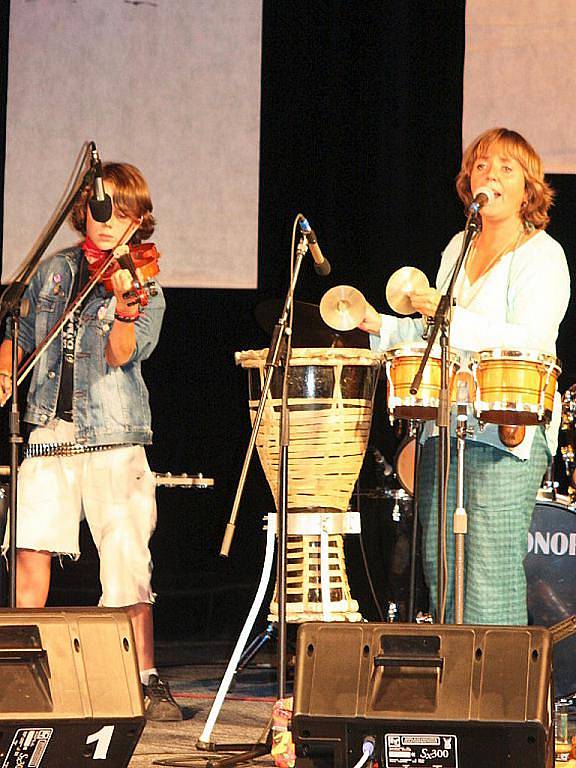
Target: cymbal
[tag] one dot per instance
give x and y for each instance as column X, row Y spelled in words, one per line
column 309, row 330
column 343, row 307
column 401, row 283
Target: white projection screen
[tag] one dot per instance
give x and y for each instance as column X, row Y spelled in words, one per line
column 172, row 86
column 520, row 72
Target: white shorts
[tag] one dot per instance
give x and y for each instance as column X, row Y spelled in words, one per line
column 114, row 490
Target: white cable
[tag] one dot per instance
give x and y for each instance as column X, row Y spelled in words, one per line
column 242, row 639
column 367, row 752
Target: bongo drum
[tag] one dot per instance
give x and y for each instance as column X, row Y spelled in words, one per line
column 515, row 386
column 402, row 364
column 330, row 401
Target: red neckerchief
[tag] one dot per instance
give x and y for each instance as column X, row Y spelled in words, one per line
column 95, row 258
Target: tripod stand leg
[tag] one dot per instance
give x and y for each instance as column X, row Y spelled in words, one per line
column 256, row 751
column 255, row 646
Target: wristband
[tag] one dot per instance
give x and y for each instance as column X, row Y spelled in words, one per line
column 6, row 373
column 125, row 318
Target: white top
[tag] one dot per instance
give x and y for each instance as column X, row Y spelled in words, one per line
column 518, row 304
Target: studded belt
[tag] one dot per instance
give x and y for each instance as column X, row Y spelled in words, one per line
column 33, row 450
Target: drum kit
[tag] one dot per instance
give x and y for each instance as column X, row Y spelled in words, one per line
column 331, row 398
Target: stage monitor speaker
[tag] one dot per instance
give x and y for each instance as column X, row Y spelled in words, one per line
column 428, row 695
column 70, row 690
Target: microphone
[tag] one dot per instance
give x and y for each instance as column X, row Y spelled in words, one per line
column 483, row 196
column 381, row 463
column 321, row 264
column 100, row 203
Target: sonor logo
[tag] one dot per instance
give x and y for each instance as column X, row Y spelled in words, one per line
column 552, row 543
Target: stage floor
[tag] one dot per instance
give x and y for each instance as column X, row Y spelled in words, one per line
column 194, row 673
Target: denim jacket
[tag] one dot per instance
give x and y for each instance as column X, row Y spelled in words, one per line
column 110, row 404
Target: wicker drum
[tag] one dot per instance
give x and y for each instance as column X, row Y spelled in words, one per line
column 330, row 399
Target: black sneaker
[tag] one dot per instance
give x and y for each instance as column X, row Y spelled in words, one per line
column 158, row 701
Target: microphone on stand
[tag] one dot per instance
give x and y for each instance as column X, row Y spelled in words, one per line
column 100, row 203
column 482, row 197
column 381, row 463
column 321, row 264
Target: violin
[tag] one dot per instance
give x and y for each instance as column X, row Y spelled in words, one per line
column 144, row 257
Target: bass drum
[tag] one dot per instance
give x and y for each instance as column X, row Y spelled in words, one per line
column 550, row 567
column 404, row 463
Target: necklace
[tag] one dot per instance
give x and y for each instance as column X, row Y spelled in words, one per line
column 512, row 245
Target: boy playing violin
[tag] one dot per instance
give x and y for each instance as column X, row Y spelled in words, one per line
column 90, row 416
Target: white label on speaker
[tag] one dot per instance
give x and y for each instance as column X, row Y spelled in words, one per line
column 429, row 750
column 28, row 747
column 103, row 737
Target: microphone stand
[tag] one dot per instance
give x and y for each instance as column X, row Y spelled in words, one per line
column 460, row 515
column 278, row 358
column 11, row 304
column 414, row 530
column 441, row 325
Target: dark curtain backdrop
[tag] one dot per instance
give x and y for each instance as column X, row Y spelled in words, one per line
column 361, row 132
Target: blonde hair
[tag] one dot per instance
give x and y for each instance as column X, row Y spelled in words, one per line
column 539, row 194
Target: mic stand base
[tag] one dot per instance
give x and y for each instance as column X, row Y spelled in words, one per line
column 253, row 751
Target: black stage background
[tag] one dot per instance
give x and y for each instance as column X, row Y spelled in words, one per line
column 360, row 131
